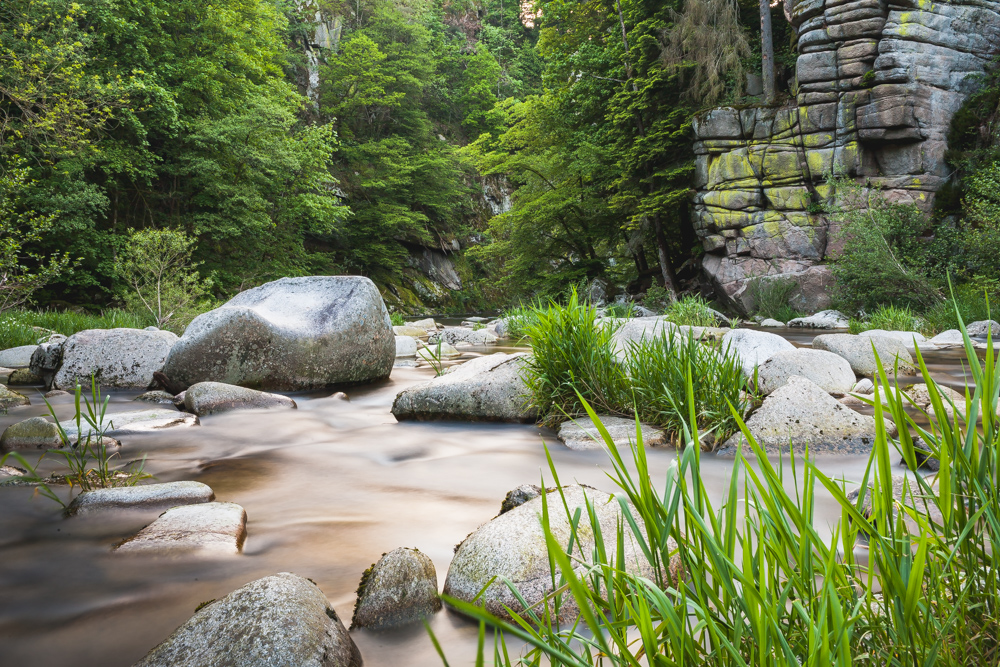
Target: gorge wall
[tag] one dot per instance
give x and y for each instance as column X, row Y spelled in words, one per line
column 875, row 89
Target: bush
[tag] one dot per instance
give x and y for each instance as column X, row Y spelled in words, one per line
column 692, row 311
column 889, row 318
column 770, row 298
column 974, row 301
column 656, row 299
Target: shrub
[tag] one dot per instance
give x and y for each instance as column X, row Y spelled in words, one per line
column 974, row 301
column 889, row 318
column 520, row 318
column 656, row 299
column 770, row 298
column 693, row 311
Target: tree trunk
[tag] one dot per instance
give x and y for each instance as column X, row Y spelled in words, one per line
column 767, row 51
column 669, row 279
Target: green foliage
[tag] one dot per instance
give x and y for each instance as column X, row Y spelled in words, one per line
column 519, row 319
column 693, row 311
column 973, row 301
column 770, row 298
column 981, row 241
column 619, row 310
column 763, row 579
column 888, row 318
column 656, row 299
column 27, row 327
column 397, row 319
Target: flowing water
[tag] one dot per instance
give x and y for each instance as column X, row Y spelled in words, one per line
column 328, row 488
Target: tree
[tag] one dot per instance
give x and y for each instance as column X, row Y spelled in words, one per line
column 767, row 51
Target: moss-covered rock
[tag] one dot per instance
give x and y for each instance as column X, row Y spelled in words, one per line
column 33, row 433
column 400, row 588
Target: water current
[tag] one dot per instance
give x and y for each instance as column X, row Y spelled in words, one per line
column 328, row 488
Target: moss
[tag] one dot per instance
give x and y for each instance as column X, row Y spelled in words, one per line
column 362, row 586
column 203, row 605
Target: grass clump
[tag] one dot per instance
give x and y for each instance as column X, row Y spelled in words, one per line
column 520, row 318
column 26, row 327
column 900, row 579
column 620, row 310
column 889, row 318
column 971, row 301
column 396, row 319
column 770, row 298
column 692, row 311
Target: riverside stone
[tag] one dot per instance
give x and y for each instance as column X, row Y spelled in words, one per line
column 32, row 433
column 907, row 338
column 978, row 329
column 802, row 414
column 771, row 323
column 826, row 319
column 519, row 496
column 456, row 335
column 582, row 433
column 206, row 528
column 427, row 352
column 754, row 347
column 400, row 588
column 209, row 398
column 11, row 399
column 290, row 334
column 46, row 358
column 947, row 338
column 17, row 357
column 829, row 371
column 636, row 329
column 488, row 388
column 158, row 397
column 283, row 619
column 22, row 377
column 904, row 492
column 406, row 346
column 408, row 330
column 115, row 357
column 146, row 497
column 858, row 352
column 512, row 547
column 133, row 422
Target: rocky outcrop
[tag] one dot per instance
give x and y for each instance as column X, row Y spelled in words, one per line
column 400, row 588
column 290, row 334
column 876, row 86
column 114, row 357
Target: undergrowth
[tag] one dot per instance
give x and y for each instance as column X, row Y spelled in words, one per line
column 26, row 327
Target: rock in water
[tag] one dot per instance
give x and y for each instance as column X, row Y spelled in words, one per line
column 209, row 398
column 11, row 399
column 489, row 388
column 771, row 323
column 46, row 358
column 24, row 376
column 825, row 319
column 158, row 397
column 754, row 347
column 455, row 335
column 116, row 357
column 519, row 496
column 857, row 350
column 275, row 621
column 582, row 433
column 210, row 529
column 146, row 497
column 33, row 433
column 978, row 329
column 400, row 588
column 290, row 334
column 17, row 357
column 803, row 414
column 133, row 422
column 512, row 546
column 406, row 346
column 828, row 370
column 907, row 338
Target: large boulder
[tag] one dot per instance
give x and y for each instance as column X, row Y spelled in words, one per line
column 826, row 369
column 754, row 347
column 283, row 619
column 488, row 388
column 512, row 547
column 209, row 398
column 858, row 352
column 211, row 529
column 148, row 497
column 582, row 433
column 47, row 357
column 33, row 433
column 290, row 334
column 400, row 588
column 802, row 414
column 825, row 319
column 115, row 357
column 17, row 357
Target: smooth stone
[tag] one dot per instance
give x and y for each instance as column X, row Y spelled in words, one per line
column 406, row 346
column 206, row 528
column 400, row 588
column 829, row 371
column 12, row 471
column 116, row 357
column 912, row 498
column 56, row 393
column 17, row 357
column 11, row 399
column 408, row 330
column 287, row 335
column 209, row 398
column 146, row 497
column 979, row 329
column 487, row 388
column 33, row 433
column 634, row 330
column 158, row 397
column 771, row 323
column 427, row 352
column 134, row 422
column 519, row 496
column 512, row 547
column 857, row 350
column 427, row 324
column 24, row 377
column 802, row 414
column 456, row 335
column 864, row 386
column 754, row 347
column 947, row 338
column 582, row 433
column 825, row 319
column 907, row 338
column 280, row 620
column 703, row 333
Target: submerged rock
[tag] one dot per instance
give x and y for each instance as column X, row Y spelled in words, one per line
column 582, row 433
column 146, row 497
column 400, row 588
column 11, row 399
column 24, row 376
column 116, row 357
column 33, row 433
column 512, row 547
column 209, row 398
column 857, row 350
column 158, row 397
column 489, row 388
column 133, row 422
column 17, row 357
column 829, row 371
column 293, row 333
column 279, row 620
column 801, row 414
column 754, row 347
column 825, row 319
column 206, row 528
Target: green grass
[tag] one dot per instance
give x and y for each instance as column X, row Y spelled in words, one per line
column 972, row 301
column 619, row 310
column 397, row 319
column 520, row 318
column 693, row 311
column 889, row 318
column 770, row 298
column 17, row 326
column 766, row 580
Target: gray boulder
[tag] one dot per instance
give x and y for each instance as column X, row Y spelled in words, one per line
column 907, row 338
column 205, row 528
column 17, row 357
column 276, row 621
column 400, row 588
column 488, row 388
column 636, row 329
column 947, row 338
column 829, row 371
column 148, row 497
column 754, row 347
column 209, row 398
column 802, row 414
column 293, row 333
column 825, row 319
column 512, row 547
column 46, row 358
column 456, row 335
column 406, row 346
column 11, row 399
column 502, row 328
column 582, row 433
column 33, row 433
column 133, row 422
column 978, row 329
column 857, row 350
column 116, row 357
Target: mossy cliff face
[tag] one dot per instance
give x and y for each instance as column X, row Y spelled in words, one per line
column 876, row 86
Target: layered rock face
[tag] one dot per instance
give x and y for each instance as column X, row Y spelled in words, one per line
column 877, row 84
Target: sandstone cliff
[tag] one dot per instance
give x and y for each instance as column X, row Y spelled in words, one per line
column 876, row 86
